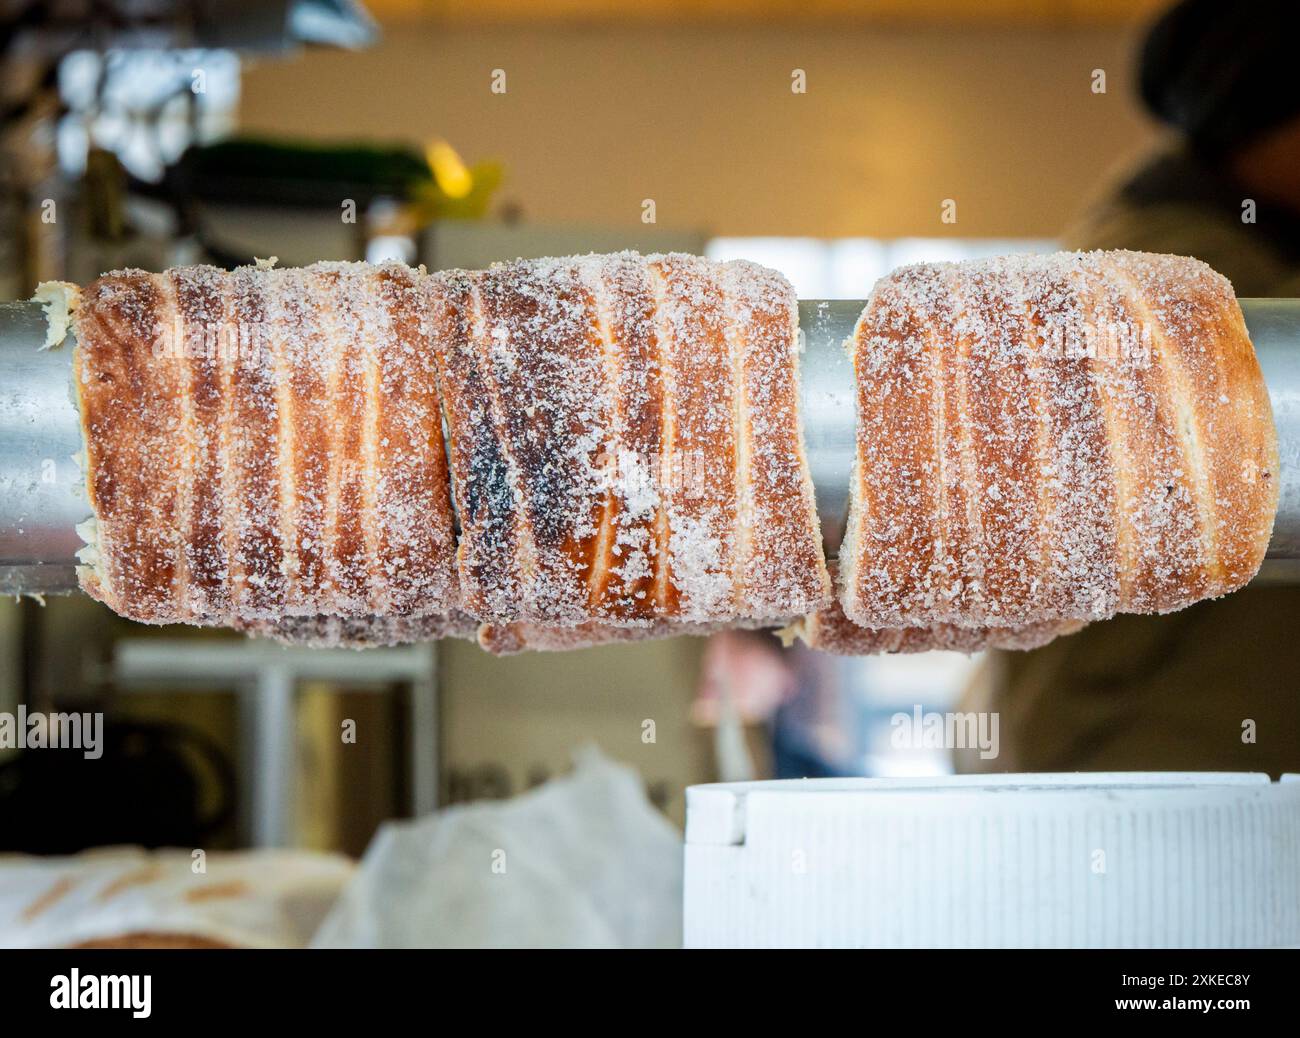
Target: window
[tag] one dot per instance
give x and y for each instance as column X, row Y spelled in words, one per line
column 846, row 268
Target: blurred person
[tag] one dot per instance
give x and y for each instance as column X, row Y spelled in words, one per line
column 747, row 677
column 1215, row 686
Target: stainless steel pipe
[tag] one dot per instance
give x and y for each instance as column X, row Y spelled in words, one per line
column 1274, row 326
column 41, row 500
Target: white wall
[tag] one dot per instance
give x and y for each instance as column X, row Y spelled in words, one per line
column 703, row 121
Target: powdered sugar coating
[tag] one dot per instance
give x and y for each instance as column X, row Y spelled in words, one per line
column 829, row 630
column 608, row 460
column 838, row 635
column 1054, row 437
column 367, row 632
column 264, row 444
column 781, row 565
column 1040, row 439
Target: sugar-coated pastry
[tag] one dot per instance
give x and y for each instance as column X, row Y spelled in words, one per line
column 829, row 630
column 1058, row 437
column 362, row 632
column 625, row 442
column 263, row 445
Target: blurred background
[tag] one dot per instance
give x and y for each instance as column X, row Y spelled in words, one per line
column 829, row 139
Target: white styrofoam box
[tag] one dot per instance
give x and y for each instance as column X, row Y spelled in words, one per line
column 1140, row 859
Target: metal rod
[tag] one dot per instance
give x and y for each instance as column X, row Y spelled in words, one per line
column 41, row 498
column 827, row 404
column 828, row 412
column 41, row 495
column 1274, row 326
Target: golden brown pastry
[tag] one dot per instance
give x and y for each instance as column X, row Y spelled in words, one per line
column 625, row 442
column 1058, row 437
column 263, row 445
column 361, row 632
column 829, row 630
column 1042, row 441
column 123, row 897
